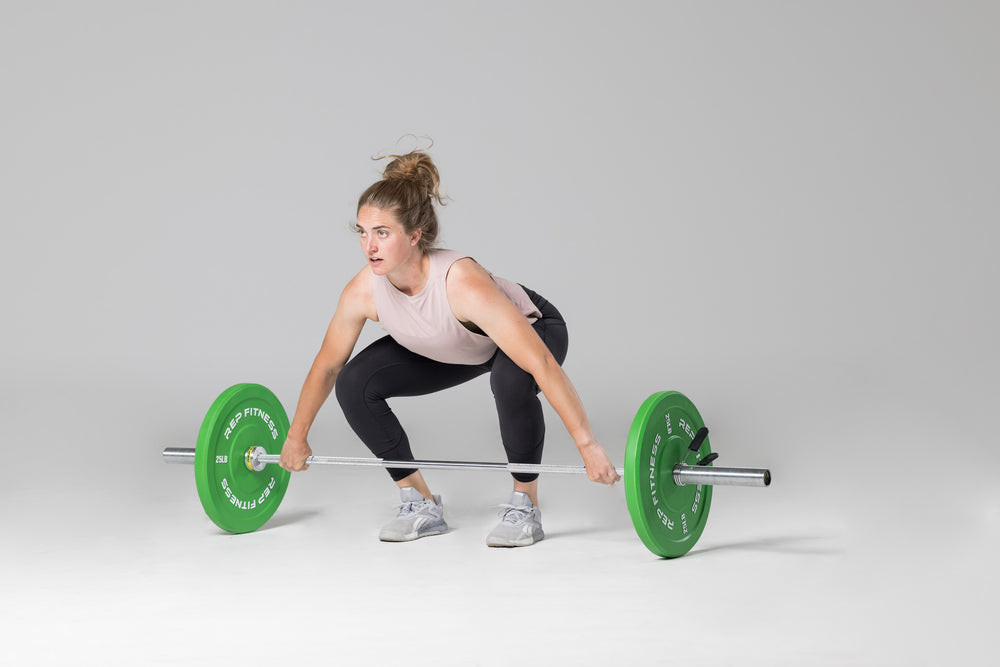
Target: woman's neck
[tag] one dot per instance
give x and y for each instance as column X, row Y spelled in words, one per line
column 411, row 278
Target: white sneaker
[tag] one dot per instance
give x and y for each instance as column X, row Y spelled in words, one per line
column 417, row 517
column 520, row 523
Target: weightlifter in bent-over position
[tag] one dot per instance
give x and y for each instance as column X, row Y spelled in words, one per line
column 448, row 320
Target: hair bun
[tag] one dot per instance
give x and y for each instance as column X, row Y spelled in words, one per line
column 418, row 168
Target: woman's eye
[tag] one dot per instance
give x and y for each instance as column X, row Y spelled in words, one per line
column 382, row 233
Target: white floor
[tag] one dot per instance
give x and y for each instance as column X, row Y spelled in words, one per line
column 115, row 563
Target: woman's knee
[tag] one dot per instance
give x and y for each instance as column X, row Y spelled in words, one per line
column 511, row 385
column 349, row 388
column 354, row 379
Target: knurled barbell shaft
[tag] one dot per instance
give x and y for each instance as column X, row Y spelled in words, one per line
column 682, row 474
column 527, row 468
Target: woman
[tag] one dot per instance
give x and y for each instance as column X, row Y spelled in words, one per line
column 449, row 320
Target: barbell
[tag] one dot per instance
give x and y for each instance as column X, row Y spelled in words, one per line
column 668, row 473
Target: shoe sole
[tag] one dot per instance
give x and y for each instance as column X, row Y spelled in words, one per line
column 516, row 543
column 408, row 538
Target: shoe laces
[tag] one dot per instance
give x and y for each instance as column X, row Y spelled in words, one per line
column 514, row 514
column 411, row 507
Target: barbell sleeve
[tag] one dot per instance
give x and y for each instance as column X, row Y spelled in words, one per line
column 685, row 474
column 179, row 455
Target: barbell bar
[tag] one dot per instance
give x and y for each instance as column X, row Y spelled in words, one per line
column 668, row 498
column 683, row 474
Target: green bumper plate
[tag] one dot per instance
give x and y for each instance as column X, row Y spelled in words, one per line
column 668, row 518
column 236, row 498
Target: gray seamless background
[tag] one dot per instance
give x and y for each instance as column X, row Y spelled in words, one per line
column 787, row 210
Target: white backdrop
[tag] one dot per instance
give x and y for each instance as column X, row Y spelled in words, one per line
column 786, row 210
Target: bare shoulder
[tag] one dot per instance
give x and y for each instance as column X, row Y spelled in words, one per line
column 358, row 299
column 471, row 290
column 467, row 274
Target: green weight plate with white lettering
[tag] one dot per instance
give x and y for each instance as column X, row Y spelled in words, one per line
column 235, row 497
column 668, row 518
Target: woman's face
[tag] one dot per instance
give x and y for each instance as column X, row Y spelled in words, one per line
column 384, row 242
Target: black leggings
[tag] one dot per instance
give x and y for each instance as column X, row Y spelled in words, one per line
column 386, row 369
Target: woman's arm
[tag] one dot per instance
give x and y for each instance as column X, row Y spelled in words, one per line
column 356, row 305
column 474, row 297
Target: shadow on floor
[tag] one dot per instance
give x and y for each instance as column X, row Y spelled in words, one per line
column 581, row 530
column 289, row 518
column 806, row 545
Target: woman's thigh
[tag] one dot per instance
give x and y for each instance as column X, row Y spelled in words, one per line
column 386, row 369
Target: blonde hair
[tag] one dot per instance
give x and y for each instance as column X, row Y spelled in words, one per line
column 409, row 187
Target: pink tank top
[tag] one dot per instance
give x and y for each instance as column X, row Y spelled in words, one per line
column 424, row 324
